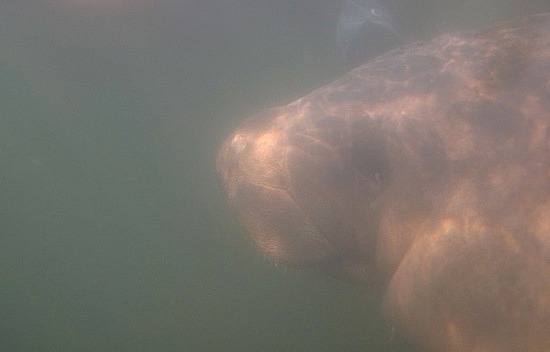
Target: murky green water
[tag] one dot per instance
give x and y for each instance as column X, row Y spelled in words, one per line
column 114, row 235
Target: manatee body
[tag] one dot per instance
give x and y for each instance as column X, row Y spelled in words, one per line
column 425, row 173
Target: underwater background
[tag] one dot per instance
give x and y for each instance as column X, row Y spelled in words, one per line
column 114, row 234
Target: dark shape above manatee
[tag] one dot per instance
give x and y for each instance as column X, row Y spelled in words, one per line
column 365, row 29
column 424, row 172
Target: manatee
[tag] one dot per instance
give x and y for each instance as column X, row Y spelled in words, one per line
column 423, row 174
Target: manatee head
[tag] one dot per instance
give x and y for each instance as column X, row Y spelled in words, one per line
column 290, row 176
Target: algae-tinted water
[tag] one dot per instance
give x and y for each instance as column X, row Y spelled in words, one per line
column 114, row 235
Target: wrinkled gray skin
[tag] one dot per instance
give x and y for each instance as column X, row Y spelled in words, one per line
column 425, row 173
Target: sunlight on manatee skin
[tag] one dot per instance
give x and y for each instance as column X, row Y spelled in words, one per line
column 425, row 173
